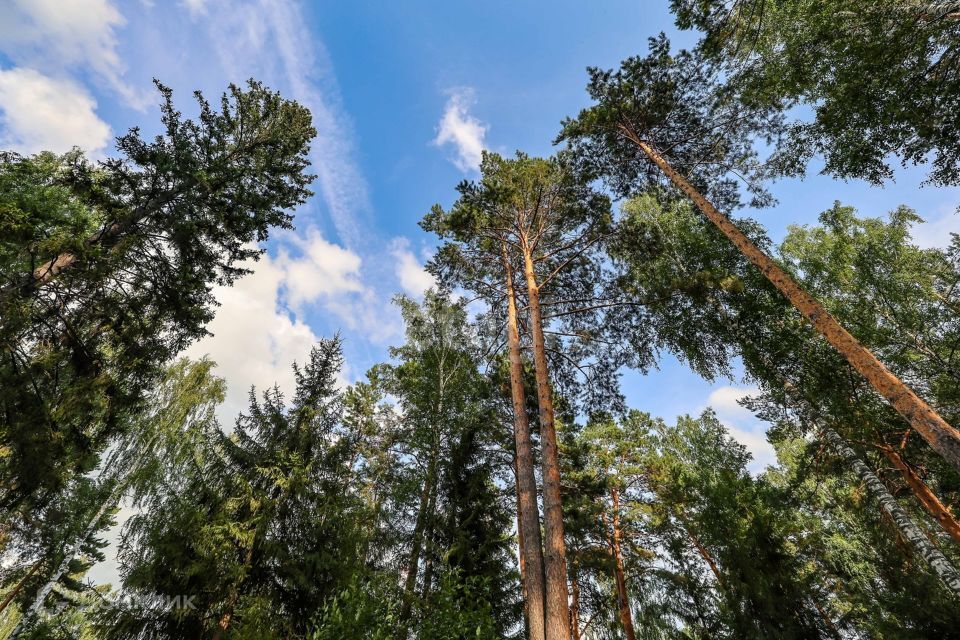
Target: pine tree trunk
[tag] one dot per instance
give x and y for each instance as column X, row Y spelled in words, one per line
column 947, row 573
column 918, row 487
column 555, row 560
column 705, row 554
column 526, row 478
column 920, row 490
column 626, row 617
column 521, row 556
column 17, row 589
column 944, row 438
column 575, row 604
column 924, row 494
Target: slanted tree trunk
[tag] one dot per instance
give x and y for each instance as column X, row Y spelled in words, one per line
column 623, row 600
column 555, row 555
column 17, row 589
column 704, row 553
column 51, row 269
column 831, row 627
column 919, row 488
column 947, row 573
column 944, row 438
column 526, row 479
column 927, row 498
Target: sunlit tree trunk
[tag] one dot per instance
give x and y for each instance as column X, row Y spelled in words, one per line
column 626, row 617
column 526, row 479
column 924, row 494
column 705, row 554
column 944, row 569
column 944, row 438
column 555, row 560
column 522, row 561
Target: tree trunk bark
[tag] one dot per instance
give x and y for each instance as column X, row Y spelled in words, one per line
column 526, row 478
column 555, row 560
column 52, row 268
column 17, row 589
column 413, row 564
column 919, row 488
column 831, row 627
column 520, row 555
column 575, row 604
column 626, row 617
column 947, row 573
column 927, row 498
column 705, row 554
column 428, row 550
column 944, row 438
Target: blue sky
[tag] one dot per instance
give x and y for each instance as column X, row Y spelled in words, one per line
column 405, row 95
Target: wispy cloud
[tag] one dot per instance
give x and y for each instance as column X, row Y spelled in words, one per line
column 465, row 132
column 271, row 40
column 56, row 37
column 40, row 113
column 195, row 7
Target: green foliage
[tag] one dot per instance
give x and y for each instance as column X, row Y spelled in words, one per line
column 881, row 77
column 549, row 209
column 139, row 240
column 706, row 545
column 675, row 103
column 264, row 527
column 364, row 609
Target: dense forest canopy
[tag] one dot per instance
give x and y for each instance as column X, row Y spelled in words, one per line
column 490, row 478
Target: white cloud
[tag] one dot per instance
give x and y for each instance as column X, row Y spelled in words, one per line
column 413, row 278
column 41, row 113
column 58, row 35
column 330, row 276
column 463, row 130
column 936, row 233
column 322, row 269
column 742, row 425
column 726, row 402
column 255, row 341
